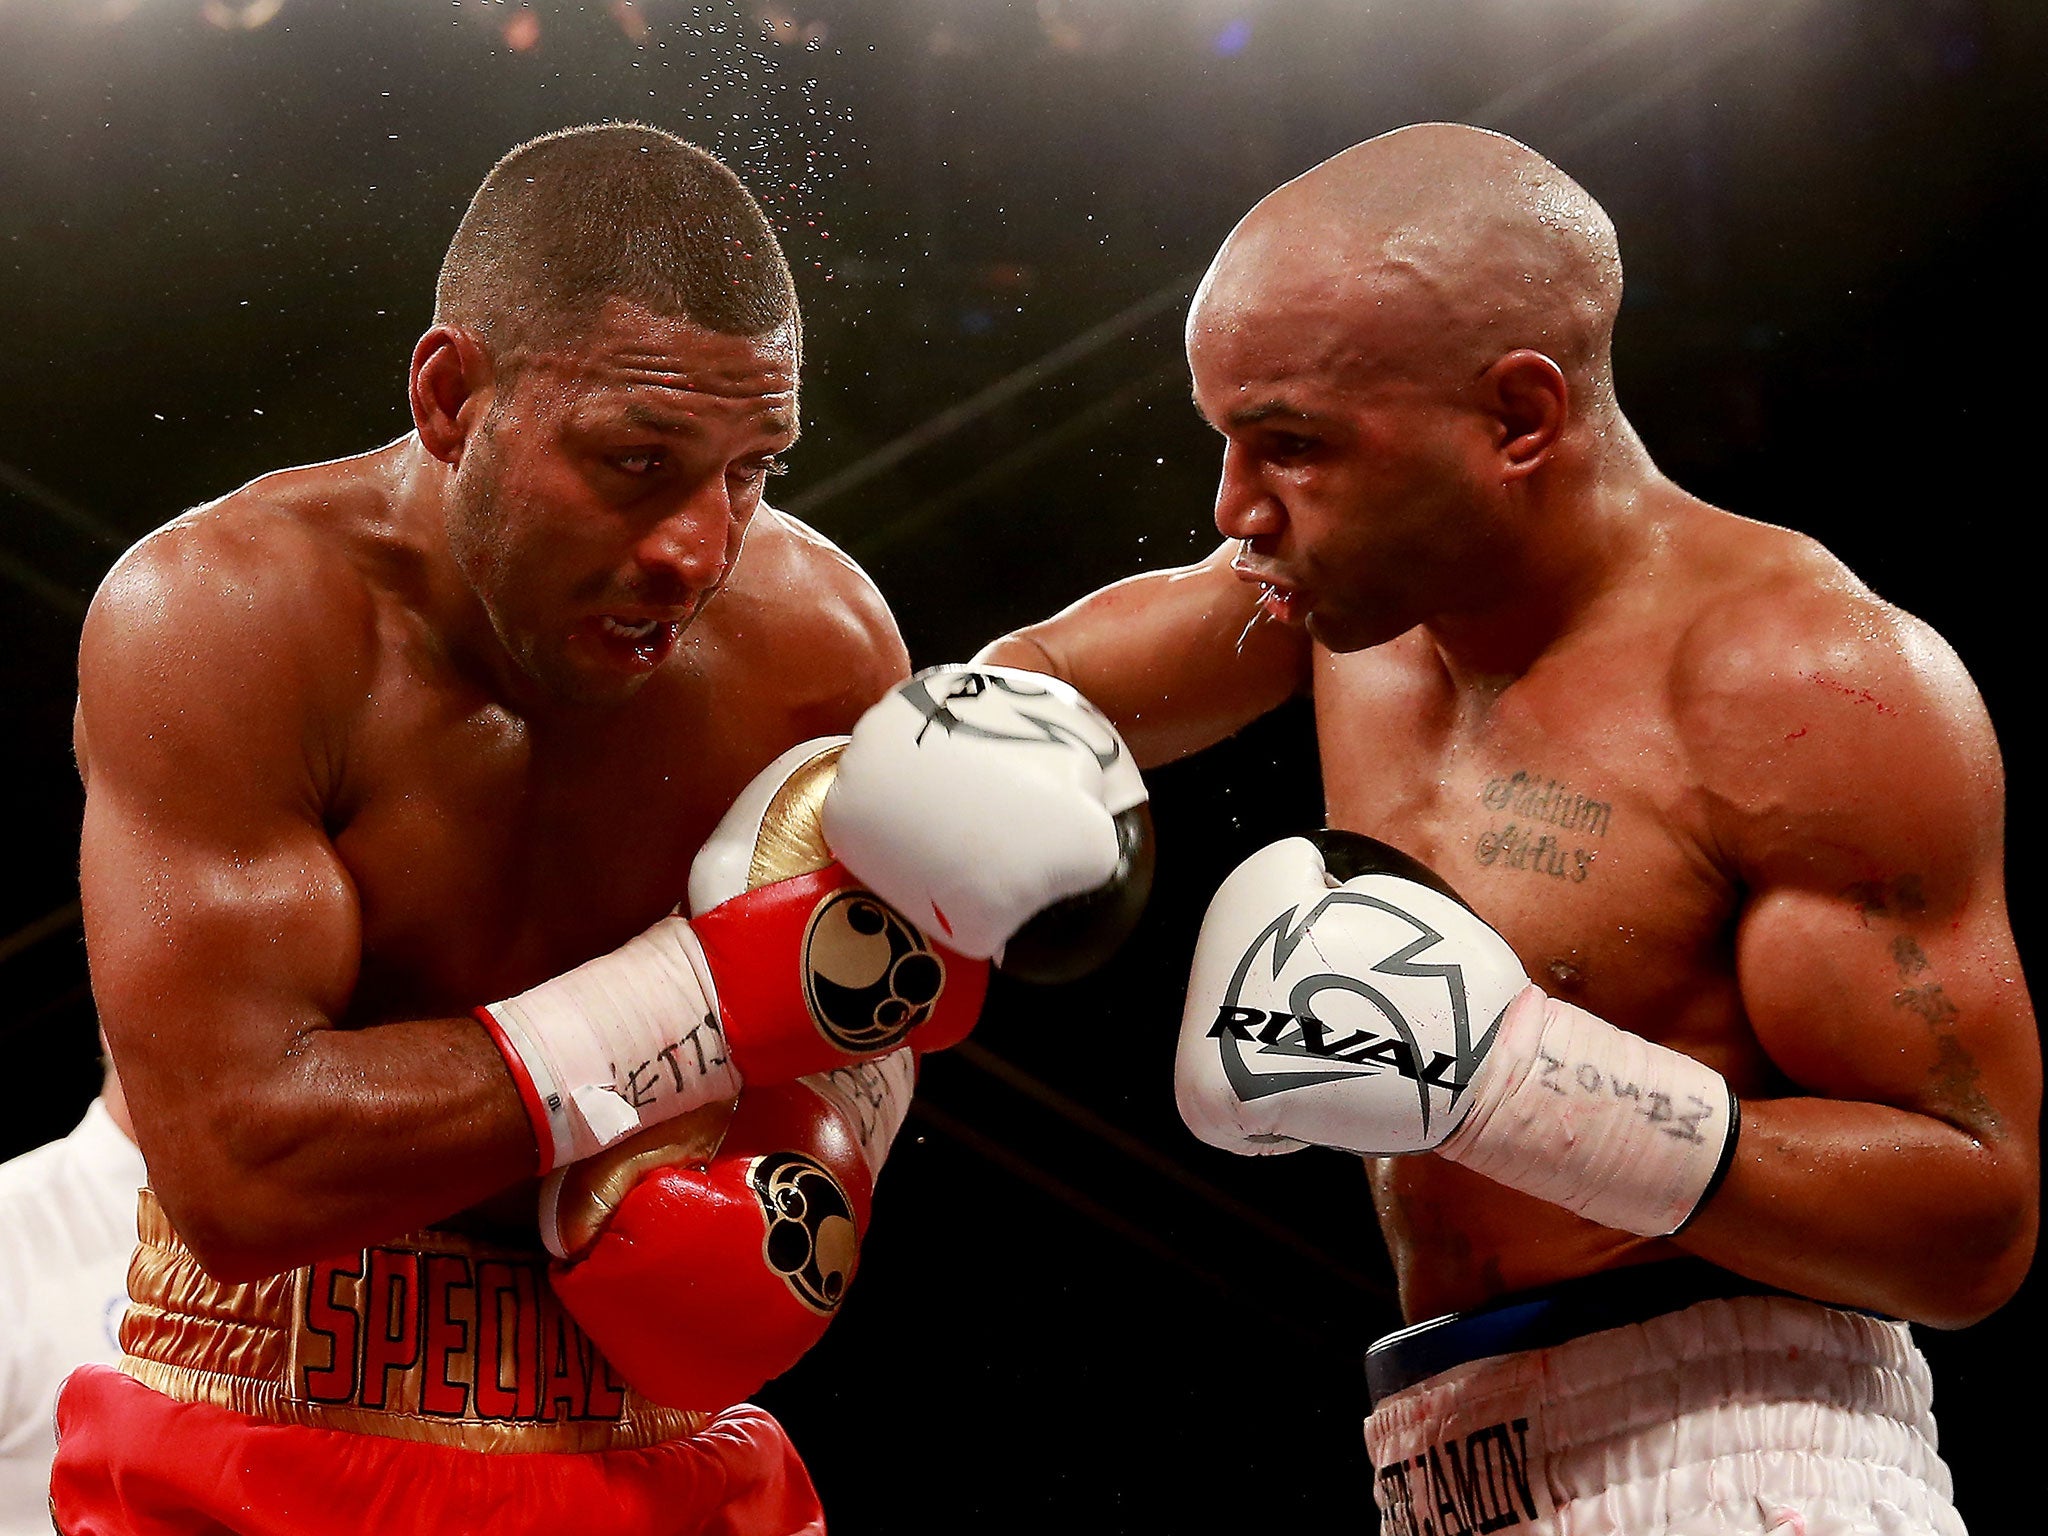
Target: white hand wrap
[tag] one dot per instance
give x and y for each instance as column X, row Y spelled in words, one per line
column 620, row 1042
column 1572, row 1110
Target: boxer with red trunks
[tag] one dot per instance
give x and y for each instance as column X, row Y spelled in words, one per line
column 1660, row 1219
column 510, row 1051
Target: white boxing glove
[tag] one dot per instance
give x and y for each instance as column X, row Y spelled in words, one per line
column 1001, row 813
column 1342, row 995
column 1343, row 1007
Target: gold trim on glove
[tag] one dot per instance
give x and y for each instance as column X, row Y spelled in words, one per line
column 791, row 840
column 592, row 1189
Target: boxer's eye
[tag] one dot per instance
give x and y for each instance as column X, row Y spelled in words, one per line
column 1289, row 447
column 758, row 469
column 637, row 461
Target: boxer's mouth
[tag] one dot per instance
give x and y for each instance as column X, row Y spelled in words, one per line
column 1279, row 598
column 1281, row 602
column 640, row 642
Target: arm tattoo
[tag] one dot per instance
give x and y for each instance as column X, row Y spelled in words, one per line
column 1955, row 1079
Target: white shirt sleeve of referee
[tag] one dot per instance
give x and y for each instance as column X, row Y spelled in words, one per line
column 67, row 1230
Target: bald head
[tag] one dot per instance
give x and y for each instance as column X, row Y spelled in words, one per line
column 1428, row 253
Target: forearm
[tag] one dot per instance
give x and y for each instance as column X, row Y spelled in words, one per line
column 1871, row 1207
column 1837, row 1198
column 1165, row 709
column 352, row 1137
column 1020, row 650
column 1177, row 659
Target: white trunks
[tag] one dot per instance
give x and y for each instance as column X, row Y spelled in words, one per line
column 1767, row 1415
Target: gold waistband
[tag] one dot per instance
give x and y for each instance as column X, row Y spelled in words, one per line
column 432, row 1337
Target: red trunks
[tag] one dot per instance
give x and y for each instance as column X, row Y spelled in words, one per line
column 133, row 1462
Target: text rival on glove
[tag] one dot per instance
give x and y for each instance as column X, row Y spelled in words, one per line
column 1371, row 1051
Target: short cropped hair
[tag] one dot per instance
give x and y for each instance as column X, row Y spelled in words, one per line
column 612, row 210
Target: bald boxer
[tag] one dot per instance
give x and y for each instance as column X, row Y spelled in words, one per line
column 397, row 770
column 1657, row 956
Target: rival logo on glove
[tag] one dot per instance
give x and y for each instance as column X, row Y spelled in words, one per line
column 869, row 977
column 1299, row 1034
column 811, row 1240
column 1309, row 1035
column 958, row 712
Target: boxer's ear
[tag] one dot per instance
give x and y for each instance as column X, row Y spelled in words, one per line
column 450, row 385
column 1529, row 399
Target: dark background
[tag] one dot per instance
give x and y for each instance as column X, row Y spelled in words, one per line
column 219, row 226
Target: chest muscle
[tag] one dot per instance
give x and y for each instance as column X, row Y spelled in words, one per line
column 488, row 854
column 1567, row 820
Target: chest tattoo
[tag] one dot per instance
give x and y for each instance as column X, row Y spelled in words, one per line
column 1541, row 826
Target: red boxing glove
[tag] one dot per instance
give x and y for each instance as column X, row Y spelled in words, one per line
column 766, row 888
column 815, row 972
column 702, row 1273
column 789, row 968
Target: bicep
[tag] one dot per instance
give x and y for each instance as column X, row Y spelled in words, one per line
column 1895, row 991
column 202, row 939
column 1178, row 659
column 1876, row 956
column 221, row 924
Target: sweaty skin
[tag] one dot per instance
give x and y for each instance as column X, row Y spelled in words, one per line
column 370, row 743
column 1706, row 783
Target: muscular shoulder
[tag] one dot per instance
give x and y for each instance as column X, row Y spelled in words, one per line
column 1807, row 704
column 269, row 562
column 801, row 608
column 812, row 584
column 239, row 607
